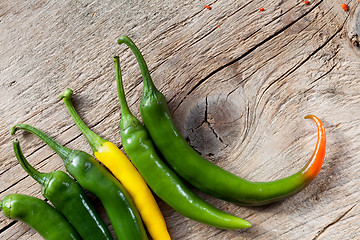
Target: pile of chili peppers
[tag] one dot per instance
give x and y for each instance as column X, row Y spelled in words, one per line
column 125, row 184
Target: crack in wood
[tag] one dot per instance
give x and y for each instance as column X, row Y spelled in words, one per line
column 294, row 68
column 326, row 73
column 317, row 235
column 7, row 226
column 205, row 35
column 267, row 60
column 209, row 125
column 206, row 110
column 247, row 124
column 12, row 185
column 204, row 124
column 330, row 58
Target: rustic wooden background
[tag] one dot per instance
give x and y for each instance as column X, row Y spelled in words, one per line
column 238, row 81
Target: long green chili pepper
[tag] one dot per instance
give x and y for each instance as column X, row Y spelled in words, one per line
column 39, row 215
column 200, row 172
column 68, row 198
column 161, row 179
column 93, row 177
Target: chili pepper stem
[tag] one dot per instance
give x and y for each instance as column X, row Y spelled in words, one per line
column 38, row 176
column 126, row 115
column 94, row 140
column 148, row 83
column 65, row 153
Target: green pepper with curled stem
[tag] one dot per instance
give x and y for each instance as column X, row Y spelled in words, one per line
column 39, row 215
column 95, row 178
column 68, row 198
column 160, row 178
column 200, row 172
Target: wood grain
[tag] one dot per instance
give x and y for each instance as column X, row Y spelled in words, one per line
column 238, row 82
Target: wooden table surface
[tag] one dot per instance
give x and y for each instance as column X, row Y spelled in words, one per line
column 238, row 81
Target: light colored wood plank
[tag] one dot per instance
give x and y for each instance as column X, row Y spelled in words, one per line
column 238, row 81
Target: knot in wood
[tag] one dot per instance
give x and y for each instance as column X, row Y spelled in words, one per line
column 212, row 126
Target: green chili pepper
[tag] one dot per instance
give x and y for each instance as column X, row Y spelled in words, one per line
column 93, row 177
column 39, row 215
column 161, row 179
column 203, row 174
column 67, row 197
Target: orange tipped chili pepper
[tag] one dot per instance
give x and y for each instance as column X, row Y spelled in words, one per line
column 208, row 7
column 261, row 9
column 312, row 168
column 202, row 173
column 306, row 2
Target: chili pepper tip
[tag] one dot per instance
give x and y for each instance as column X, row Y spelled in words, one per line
column 66, row 94
column 247, row 224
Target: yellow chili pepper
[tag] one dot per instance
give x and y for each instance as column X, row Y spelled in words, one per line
column 121, row 167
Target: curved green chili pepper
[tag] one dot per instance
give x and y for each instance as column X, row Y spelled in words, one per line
column 93, row 177
column 161, row 179
column 39, row 215
column 68, row 198
column 200, row 172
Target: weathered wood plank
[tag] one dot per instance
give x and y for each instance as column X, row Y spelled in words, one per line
column 238, row 81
